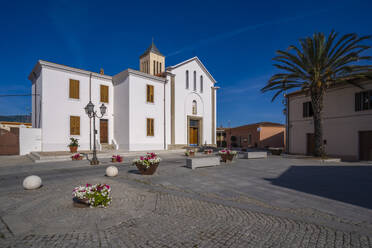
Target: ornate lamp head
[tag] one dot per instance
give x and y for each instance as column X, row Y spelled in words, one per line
column 89, row 108
column 103, row 109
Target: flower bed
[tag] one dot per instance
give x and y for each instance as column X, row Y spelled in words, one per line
column 208, row 151
column 77, row 156
column 116, row 158
column 97, row 195
column 147, row 164
column 227, row 155
column 190, row 153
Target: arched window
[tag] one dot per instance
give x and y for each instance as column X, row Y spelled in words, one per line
column 194, row 108
column 194, row 80
column 187, row 79
column 201, row 84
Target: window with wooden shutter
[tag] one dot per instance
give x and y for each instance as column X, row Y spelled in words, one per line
column 104, row 93
column 74, row 89
column 150, row 127
column 307, row 109
column 358, row 101
column 150, row 93
column 74, row 125
column 363, row 100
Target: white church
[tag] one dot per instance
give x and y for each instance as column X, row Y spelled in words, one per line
column 153, row 108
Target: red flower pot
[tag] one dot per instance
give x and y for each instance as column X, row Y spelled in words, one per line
column 73, row 149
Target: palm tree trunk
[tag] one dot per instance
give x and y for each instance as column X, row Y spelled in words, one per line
column 317, row 103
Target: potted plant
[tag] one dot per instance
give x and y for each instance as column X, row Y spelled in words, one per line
column 77, row 156
column 190, row 153
column 147, row 164
column 74, row 143
column 227, row 155
column 116, row 158
column 97, row 195
column 208, row 151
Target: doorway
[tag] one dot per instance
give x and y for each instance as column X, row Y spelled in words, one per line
column 194, row 132
column 365, row 145
column 103, row 131
column 310, row 140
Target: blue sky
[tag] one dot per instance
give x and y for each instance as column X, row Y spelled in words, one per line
column 236, row 41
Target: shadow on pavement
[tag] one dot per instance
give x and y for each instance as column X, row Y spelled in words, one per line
column 350, row 184
column 134, row 172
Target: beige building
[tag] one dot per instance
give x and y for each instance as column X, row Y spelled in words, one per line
column 258, row 135
column 347, row 122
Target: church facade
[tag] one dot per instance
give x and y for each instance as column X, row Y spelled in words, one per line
column 153, row 108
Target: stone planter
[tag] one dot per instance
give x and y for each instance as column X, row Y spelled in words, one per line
column 73, row 149
column 227, row 157
column 147, row 171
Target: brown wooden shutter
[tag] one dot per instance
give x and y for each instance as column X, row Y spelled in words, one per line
column 104, row 93
column 74, row 89
column 74, row 125
column 150, row 127
column 77, row 125
column 150, row 93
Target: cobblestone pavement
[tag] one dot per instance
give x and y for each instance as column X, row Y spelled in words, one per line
column 145, row 213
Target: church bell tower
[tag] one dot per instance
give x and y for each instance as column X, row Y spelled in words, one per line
column 152, row 61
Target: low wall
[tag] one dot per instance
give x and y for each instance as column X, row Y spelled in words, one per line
column 29, row 140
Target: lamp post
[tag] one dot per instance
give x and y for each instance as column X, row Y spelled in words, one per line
column 89, row 110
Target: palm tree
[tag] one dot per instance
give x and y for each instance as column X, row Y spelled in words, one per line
column 316, row 65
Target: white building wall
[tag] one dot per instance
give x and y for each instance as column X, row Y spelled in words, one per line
column 168, row 111
column 36, row 90
column 184, row 98
column 121, row 116
column 29, row 140
column 140, row 110
column 341, row 123
column 57, row 108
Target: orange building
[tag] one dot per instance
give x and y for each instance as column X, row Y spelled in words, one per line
column 258, row 135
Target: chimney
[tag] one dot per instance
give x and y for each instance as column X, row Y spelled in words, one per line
column 101, row 71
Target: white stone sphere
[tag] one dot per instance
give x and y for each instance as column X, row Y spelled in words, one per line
column 112, row 171
column 32, row 182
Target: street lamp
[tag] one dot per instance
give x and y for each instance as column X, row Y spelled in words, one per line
column 89, row 110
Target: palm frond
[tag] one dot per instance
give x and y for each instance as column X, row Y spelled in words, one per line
column 320, row 62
